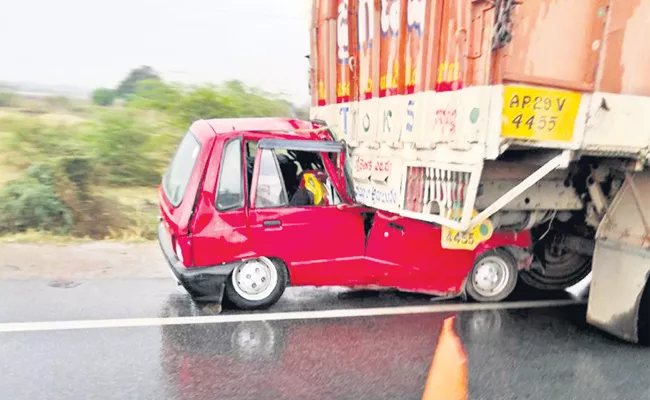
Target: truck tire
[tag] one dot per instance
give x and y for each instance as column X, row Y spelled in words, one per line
column 493, row 277
column 257, row 284
column 561, row 267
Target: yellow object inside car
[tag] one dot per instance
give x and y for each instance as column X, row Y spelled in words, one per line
column 315, row 187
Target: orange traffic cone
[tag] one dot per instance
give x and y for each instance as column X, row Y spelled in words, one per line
column 447, row 378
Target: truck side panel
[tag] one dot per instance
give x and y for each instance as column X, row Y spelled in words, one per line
column 555, row 43
column 621, row 266
column 448, row 90
column 625, row 53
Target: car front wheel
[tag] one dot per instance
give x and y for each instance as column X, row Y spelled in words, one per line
column 256, row 284
column 493, row 277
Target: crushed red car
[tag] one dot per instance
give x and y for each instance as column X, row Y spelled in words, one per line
column 251, row 206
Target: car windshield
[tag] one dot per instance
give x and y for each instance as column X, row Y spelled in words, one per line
column 180, row 169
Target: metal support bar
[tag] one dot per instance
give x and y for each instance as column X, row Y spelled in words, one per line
column 555, row 162
column 638, row 200
column 597, row 197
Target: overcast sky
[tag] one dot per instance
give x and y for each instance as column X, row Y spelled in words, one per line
column 91, row 43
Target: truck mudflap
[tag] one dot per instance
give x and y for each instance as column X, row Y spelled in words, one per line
column 621, row 262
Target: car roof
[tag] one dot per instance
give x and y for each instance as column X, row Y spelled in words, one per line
column 280, row 128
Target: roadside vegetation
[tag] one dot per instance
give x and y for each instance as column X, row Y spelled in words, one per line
column 75, row 170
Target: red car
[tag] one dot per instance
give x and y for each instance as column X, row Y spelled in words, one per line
column 240, row 218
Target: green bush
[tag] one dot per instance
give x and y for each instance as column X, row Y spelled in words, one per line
column 80, row 172
column 31, row 202
column 203, row 103
column 120, row 149
column 29, row 140
column 129, row 84
column 58, row 199
column 153, row 94
column 104, row 97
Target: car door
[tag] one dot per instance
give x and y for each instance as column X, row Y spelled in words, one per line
column 321, row 245
column 412, row 254
column 220, row 230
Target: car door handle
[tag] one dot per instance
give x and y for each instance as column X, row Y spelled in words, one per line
column 272, row 222
column 396, row 226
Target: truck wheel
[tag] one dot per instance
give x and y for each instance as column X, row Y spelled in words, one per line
column 561, row 266
column 493, row 277
column 257, row 284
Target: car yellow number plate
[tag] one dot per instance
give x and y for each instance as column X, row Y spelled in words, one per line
column 539, row 114
column 458, row 240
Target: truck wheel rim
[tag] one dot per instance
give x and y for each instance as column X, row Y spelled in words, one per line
column 491, row 276
column 255, row 280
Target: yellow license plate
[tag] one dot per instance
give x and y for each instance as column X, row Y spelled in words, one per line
column 539, row 114
column 458, row 240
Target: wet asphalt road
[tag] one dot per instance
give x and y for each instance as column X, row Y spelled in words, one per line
column 540, row 353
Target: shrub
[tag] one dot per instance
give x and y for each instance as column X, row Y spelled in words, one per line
column 29, row 140
column 153, row 94
column 104, row 97
column 203, row 103
column 31, row 202
column 119, row 143
column 58, row 199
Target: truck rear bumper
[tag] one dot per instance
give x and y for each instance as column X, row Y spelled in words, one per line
column 204, row 284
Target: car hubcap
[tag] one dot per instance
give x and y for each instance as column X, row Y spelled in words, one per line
column 491, row 276
column 255, row 280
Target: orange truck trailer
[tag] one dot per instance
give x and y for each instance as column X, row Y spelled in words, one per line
column 526, row 113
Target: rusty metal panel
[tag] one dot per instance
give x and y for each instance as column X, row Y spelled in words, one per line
column 625, row 65
column 418, row 40
column 392, row 43
column 326, row 51
column 479, row 46
column 618, row 278
column 454, row 28
column 621, row 263
column 368, row 32
column 555, row 43
column 628, row 217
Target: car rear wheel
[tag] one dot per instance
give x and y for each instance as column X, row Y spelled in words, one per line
column 493, row 277
column 256, row 284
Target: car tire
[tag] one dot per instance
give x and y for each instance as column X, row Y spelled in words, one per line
column 257, row 284
column 493, row 277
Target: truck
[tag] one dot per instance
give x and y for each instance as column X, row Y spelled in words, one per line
column 527, row 114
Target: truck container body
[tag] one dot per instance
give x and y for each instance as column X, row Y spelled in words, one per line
column 532, row 114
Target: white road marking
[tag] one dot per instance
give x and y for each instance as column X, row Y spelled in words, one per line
column 279, row 316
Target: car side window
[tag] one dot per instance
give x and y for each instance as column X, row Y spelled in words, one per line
column 230, row 187
column 270, row 188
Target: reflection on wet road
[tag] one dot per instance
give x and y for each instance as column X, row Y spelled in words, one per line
column 538, row 353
